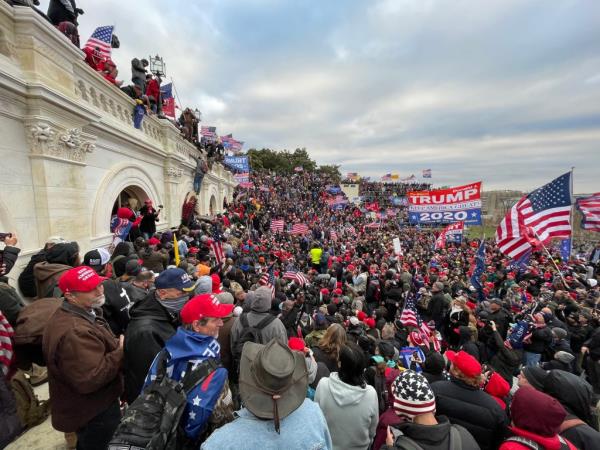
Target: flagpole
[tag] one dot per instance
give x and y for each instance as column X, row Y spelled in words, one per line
column 176, row 93
column 551, row 259
column 571, row 215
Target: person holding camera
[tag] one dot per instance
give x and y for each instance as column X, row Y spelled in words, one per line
column 8, row 256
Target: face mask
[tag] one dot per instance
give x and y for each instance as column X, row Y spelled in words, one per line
column 391, row 364
column 98, row 301
column 175, row 304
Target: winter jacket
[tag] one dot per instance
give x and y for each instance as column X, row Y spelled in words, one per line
column 138, row 74
column 593, row 343
column 434, row 437
column 10, row 302
column 84, row 363
column 575, row 394
column 10, row 425
column 116, row 306
column 502, row 320
column 46, row 278
column 225, row 343
column 149, row 219
column 541, row 338
column 352, row 412
column 26, row 278
column 436, row 307
column 261, row 305
column 545, row 442
column 506, row 361
column 150, row 327
column 186, row 347
column 9, row 258
column 472, row 408
column 62, row 11
column 154, row 260
column 388, row 418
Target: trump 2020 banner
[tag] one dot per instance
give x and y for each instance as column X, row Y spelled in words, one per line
column 238, row 163
column 457, row 204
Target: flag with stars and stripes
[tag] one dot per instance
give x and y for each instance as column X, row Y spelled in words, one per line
column 268, row 279
column 537, row 218
column 299, row 228
column 101, row 38
column 410, row 316
column 334, row 235
column 217, row 246
column 277, row 225
column 590, row 209
column 296, row 276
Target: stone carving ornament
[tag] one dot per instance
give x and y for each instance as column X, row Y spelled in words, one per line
column 48, row 141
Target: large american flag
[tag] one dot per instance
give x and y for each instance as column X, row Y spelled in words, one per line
column 590, row 208
column 101, row 38
column 410, row 316
column 268, row 279
column 208, row 132
column 277, row 225
column 217, row 246
column 299, row 228
column 296, row 276
column 538, row 217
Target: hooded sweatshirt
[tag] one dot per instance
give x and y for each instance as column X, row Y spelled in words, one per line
column 352, row 412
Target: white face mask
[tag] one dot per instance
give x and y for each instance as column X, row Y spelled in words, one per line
column 98, row 301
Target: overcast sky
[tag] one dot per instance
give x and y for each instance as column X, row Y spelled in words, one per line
column 504, row 91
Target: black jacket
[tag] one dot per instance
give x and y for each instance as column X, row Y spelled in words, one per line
column 26, row 278
column 575, row 395
column 472, row 408
column 505, row 361
column 435, row 309
column 58, row 12
column 541, row 338
column 116, row 306
column 8, row 258
column 151, row 325
column 10, row 302
column 433, row 437
column 502, row 320
column 593, row 343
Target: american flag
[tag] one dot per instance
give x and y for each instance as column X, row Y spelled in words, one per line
column 101, row 38
column 453, row 229
column 590, row 208
column 277, row 225
column 217, row 246
column 268, row 279
column 386, row 177
column 351, row 230
column 334, row 235
column 296, row 276
column 299, row 228
column 410, row 316
column 6, row 347
column 536, row 218
column 520, row 265
column 208, row 132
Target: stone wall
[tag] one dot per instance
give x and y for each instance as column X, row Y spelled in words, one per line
column 68, row 146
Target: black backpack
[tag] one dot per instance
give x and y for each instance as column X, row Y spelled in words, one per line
column 248, row 334
column 152, row 421
column 403, row 442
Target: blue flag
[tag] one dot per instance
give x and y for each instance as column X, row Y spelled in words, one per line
column 565, row 249
column 138, row 116
column 520, row 264
column 479, row 269
column 166, row 90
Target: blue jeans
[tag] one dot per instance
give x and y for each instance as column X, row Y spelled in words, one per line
column 531, row 359
column 198, row 182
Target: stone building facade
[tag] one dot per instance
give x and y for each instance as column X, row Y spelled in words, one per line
column 69, row 153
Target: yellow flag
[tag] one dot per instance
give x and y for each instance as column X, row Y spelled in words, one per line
column 176, row 250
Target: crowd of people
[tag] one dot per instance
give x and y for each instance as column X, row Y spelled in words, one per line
column 286, row 323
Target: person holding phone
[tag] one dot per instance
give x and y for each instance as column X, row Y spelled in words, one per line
column 10, row 253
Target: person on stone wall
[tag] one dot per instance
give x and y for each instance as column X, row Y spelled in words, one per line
column 201, row 170
column 138, row 73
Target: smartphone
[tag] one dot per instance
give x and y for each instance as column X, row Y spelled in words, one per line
column 4, row 236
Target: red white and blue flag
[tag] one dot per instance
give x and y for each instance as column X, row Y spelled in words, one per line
column 277, row 225
column 590, row 208
column 268, row 279
column 299, row 228
column 101, row 38
column 452, row 233
column 298, row 277
column 217, row 246
column 537, row 218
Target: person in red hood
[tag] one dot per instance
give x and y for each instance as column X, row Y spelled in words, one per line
column 536, row 419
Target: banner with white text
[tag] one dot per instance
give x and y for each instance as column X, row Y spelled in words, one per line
column 457, row 204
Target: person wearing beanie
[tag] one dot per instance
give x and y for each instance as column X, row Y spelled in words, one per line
column 535, row 422
column 319, row 325
column 498, row 388
column 464, row 403
column 532, row 376
column 434, row 368
column 415, row 403
column 561, row 361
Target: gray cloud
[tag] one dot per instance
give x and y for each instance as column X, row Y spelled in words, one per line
column 507, row 91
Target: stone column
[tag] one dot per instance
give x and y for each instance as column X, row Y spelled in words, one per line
column 173, row 175
column 58, row 159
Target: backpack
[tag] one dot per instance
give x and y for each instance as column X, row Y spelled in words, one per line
column 152, row 421
column 403, row 442
column 248, row 334
column 30, row 409
column 534, row 445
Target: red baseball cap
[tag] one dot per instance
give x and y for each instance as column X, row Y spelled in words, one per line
column 202, row 306
column 296, row 343
column 153, row 241
column 464, row 362
column 79, row 279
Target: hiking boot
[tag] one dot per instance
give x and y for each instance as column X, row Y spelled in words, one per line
column 37, row 375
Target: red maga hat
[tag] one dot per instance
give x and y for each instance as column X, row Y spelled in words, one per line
column 203, row 306
column 464, row 362
column 79, row 279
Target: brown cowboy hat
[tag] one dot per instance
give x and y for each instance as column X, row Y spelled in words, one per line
column 273, row 380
